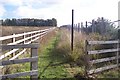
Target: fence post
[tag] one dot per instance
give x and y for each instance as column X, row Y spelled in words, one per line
column 13, row 42
column 93, row 26
column 1, row 67
column 24, row 42
column 24, row 38
column 86, row 59
column 72, row 30
column 14, row 38
column 78, row 27
column 34, row 65
column 86, row 26
column 117, row 55
column 118, row 46
column 31, row 37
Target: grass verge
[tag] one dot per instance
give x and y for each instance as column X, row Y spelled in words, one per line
column 51, row 63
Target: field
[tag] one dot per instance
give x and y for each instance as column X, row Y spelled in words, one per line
column 55, row 57
column 9, row 30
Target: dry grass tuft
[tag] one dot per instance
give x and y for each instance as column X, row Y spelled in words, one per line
column 65, row 47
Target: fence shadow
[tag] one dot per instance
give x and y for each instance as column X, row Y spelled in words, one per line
column 54, row 56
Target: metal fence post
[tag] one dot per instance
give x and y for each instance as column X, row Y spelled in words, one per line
column 72, row 31
column 86, row 27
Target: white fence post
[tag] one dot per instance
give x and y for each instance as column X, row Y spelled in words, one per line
column 31, row 37
column 24, row 38
column 13, row 42
column 13, row 38
column 24, row 41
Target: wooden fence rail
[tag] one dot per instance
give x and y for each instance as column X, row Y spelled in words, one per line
column 11, row 51
column 25, row 40
column 89, row 62
column 33, row 61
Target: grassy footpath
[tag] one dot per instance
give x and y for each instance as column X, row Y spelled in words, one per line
column 51, row 63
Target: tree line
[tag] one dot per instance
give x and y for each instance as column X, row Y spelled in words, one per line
column 29, row 22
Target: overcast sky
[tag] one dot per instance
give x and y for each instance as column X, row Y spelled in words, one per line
column 85, row 10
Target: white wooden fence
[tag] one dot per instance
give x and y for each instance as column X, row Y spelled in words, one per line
column 16, row 45
column 90, row 53
column 33, row 73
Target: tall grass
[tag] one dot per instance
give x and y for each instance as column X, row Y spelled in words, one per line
column 65, row 47
column 77, row 55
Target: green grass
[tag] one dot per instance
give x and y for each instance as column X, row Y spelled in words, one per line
column 110, row 74
column 51, row 62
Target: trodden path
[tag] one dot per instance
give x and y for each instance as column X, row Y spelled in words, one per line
column 52, row 64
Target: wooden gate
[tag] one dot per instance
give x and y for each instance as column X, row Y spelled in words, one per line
column 90, row 61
